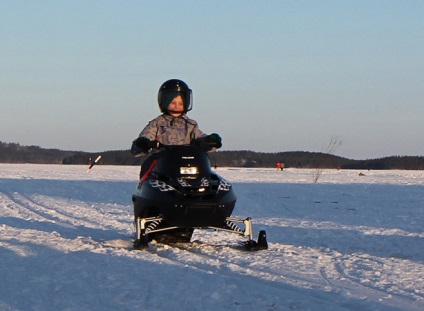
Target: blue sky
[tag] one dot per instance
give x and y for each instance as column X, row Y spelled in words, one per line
column 266, row 75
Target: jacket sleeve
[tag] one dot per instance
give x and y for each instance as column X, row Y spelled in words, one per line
column 150, row 132
column 198, row 137
column 197, row 133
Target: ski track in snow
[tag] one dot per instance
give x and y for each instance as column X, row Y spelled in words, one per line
column 348, row 242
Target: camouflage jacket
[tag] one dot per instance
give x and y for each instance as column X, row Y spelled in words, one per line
column 171, row 130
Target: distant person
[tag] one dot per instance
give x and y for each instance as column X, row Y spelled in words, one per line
column 278, row 166
column 172, row 127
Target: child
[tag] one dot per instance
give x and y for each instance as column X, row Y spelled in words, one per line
column 172, row 127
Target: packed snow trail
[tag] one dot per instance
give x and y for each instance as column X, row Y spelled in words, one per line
column 345, row 243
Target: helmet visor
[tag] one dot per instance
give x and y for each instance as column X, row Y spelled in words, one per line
column 168, row 96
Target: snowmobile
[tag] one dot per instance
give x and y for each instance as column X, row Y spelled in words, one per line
column 180, row 193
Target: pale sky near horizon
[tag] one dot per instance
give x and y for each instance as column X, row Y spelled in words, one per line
column 266, row 75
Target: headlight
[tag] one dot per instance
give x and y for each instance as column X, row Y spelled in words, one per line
column 189, row 170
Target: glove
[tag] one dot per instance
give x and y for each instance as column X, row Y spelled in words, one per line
column 142, row 144
column 214, row 140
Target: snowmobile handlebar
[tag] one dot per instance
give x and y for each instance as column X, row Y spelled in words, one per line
column 202, row 143
column 155, row 144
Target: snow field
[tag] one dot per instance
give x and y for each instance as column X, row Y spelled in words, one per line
column 348, row 242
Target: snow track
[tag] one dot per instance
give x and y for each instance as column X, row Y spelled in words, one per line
column 65, row 244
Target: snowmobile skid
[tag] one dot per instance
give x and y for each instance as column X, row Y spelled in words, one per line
column 147, row 227
column 180, row 193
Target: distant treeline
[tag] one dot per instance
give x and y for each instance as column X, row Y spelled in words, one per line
column 15, row 153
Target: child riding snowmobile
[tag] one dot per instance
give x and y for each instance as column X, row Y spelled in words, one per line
column 178, row 191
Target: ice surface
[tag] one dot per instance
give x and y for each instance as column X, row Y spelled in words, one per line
column 347, row 242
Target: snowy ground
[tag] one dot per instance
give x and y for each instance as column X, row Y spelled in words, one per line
column 348, row 242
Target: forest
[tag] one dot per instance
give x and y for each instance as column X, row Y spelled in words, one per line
column 16, row 153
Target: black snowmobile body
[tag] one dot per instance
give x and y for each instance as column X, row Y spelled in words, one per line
column 179, row 193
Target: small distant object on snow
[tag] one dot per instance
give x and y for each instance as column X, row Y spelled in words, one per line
column 361, row 174
column 280, row 166
column 92, row 164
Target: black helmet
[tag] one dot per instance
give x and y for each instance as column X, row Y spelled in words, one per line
column 172, row 88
